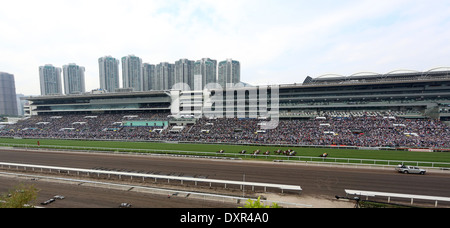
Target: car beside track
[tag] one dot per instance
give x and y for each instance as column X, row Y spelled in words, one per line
column 410, row 169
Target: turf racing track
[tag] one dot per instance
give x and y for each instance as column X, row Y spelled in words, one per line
column 316, row 181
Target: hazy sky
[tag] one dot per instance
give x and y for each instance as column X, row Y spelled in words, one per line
column 276, row 41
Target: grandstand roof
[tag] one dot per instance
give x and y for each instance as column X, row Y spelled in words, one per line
column 396, row 75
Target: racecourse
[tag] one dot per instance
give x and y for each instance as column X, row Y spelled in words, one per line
column 318, row 182
column 233, row 150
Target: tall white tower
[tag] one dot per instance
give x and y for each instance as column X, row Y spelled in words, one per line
column 207, row 68
column 229, row 73
column 132, row 73
column 50, row 79
column 184, row 74
column 74, row 82
column 109, row 73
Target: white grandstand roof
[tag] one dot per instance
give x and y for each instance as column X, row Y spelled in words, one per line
column 394, row 73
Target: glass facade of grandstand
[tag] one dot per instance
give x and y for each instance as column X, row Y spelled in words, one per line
column 396, row 110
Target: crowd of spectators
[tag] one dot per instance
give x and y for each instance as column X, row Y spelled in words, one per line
column 359, row 130
column 363, row 131
column 82, row 126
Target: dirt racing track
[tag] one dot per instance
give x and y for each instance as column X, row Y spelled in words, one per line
column 319, row 184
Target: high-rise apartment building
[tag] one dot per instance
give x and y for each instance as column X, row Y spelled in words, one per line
column 229, row 73
column 50, row 79
column 148, row 77
column 207, row 68
column 132, row 73
column 74, row 82
column 184, row 74
column 109, row 73
column 8, row 99
column 164, row 73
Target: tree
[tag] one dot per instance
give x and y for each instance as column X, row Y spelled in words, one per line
column 257, row 204
column 21, row 196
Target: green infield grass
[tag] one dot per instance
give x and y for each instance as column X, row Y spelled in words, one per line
column 391, row 155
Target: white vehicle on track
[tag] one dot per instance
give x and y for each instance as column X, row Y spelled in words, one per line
column 125, row 205
column 410, row 169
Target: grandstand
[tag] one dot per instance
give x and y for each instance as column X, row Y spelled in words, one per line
column 409, row 94
column 398, row 109
column 101, row 103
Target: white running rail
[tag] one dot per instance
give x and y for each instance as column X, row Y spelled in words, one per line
column 367, row 194
column 282, row 187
